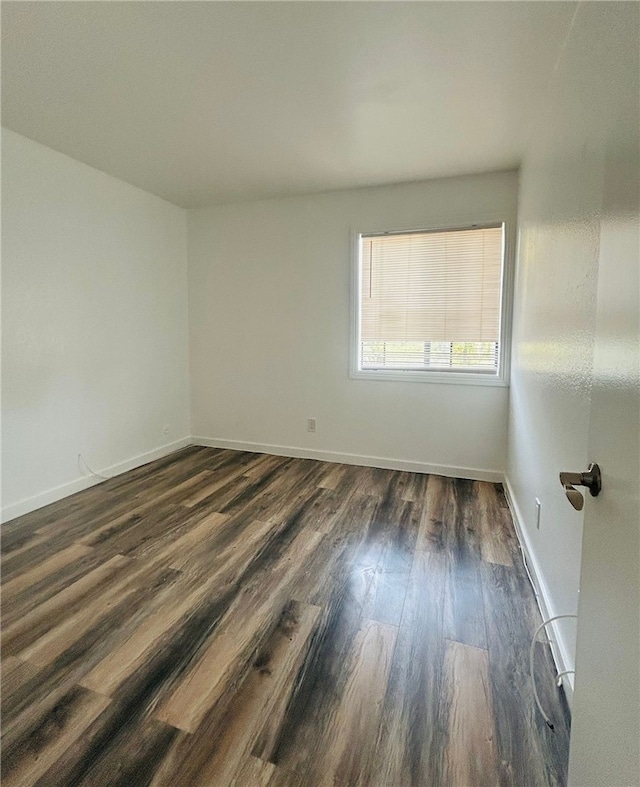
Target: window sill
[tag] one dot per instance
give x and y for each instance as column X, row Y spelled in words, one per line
column 448, row 378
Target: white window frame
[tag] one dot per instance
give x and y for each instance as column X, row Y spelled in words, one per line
column 501, row 379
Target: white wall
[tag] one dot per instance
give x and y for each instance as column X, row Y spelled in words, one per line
column 561, row 191
column 269, row 325
column 94, row 318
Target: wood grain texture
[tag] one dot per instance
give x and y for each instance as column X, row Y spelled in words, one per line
column 28, row 751
column 528, row 751
column 226, row 618
column 221, row 748
column 238, row 634
column 470, row 755
column 464, row 619
column 497, row 537
column 26, row 629
column 412, row 734
column 43, row 571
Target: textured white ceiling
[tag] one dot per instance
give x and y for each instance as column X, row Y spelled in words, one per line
column 203, row 102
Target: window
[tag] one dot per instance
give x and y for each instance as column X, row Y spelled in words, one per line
column 429, row 305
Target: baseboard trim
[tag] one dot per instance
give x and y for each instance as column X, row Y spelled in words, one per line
column 563, row 659
column 42, row 499
column 65, row 490
column 386, row 463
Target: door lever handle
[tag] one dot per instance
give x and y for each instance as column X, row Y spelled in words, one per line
column 591, row 479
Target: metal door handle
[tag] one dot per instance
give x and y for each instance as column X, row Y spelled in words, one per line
column 591, row 479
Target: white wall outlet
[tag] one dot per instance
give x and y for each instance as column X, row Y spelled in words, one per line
column 166, row 429
column 538, row 513
column 311, row 424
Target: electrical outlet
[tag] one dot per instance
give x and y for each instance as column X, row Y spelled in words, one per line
column 165, row 429
column 538, row 513
column 311, row 424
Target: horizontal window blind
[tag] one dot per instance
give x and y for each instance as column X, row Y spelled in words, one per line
column 431, row 299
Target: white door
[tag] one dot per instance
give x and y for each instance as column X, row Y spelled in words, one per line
column 605, row 738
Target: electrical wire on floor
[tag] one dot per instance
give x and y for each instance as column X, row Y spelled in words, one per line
column 559, row 676
column 82, row 465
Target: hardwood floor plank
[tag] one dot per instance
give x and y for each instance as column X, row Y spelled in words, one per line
column 374, row 481
column 318, row 686
column 22, row 555
column 67, row 670
column 27, row 628
column 263, row 463
column 218, row 751
column 112, row 671
column 235, row 641
column 433, row 524
column 350, row 739
column 384, row 601
column 124, row 534
column 130, row 712
column 409, row 749
column 464, row 603
column 497, row 536
column 464, row 619
column 255, row 772
column 336, row 567
column 332, row 476
column 18, row 533
column 350, row 480
column 15, row 674
column 43, row 571
column 344, row 746
column 285, row 496
column 393, row 529
column 223, row 618
column 27, row 752
column 113, row 505
column 254, row 492
column 280, row 696
column 129, row 758
column 117, row 601
column 413, row 487
column 176, row 546
column 470, row 755
column 133, row 516
column 320, row 510
column 39, row 593
column 219, row 553
column 528, row 751
column 187, row 596
column 220, row 478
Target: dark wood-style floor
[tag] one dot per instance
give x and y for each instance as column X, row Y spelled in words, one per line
column 228, row 618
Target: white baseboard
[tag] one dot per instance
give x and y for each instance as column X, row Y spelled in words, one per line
column 64, row 490
column 475, row 474
column 563, row 659
column 77, row 485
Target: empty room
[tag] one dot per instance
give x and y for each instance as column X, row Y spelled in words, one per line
column 320, row 394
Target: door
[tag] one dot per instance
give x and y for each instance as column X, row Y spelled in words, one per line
column 605, row 738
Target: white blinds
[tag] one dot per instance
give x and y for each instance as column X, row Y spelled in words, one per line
column 439, row 286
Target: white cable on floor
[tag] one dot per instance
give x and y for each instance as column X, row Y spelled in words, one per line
column 561, row 675
column 81, row 462
column 543, row 625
